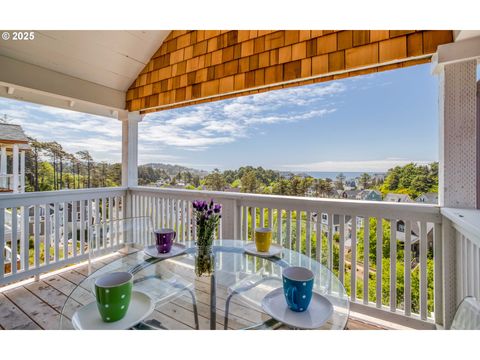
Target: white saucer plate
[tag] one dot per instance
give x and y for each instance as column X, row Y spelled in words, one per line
column 251, row 249
column 176, row 249
column 317, row 314
column 88, row 317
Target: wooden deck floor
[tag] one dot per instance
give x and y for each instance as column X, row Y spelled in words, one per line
column 38, row 305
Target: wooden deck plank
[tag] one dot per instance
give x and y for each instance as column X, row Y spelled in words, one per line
column 12, row 318
column 54, row 298
column 39, row 311
column 73, row 276
column 63, row 285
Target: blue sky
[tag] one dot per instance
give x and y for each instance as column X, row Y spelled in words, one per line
column 365, row 123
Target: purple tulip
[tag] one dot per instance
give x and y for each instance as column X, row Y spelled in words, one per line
column 217, row 208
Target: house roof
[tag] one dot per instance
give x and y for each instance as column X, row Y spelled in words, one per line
column 397, row 198
column 11, row 134
column 428, row 198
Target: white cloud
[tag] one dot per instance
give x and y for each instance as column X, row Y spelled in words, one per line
column 353, row 165
column 193, row 128
column 217, row 123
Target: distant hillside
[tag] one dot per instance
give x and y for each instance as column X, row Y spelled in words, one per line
column 173, row 170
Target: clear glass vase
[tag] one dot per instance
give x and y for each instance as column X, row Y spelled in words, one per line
column 204, row 261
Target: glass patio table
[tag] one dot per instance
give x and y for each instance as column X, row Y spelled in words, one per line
column 228, row 299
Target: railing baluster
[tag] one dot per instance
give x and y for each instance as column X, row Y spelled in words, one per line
column 172, row 213
column 36, row 235
column 341, row 255
column 408, row 267
column 366, row 257
column 279, row 227
column 25, row 239
column 379, row 255
column 98, row 245
column 318, row 234
column 117, row 221
column 111, row 230
column 289, row 229
column 353, row 277
column 65, row 229
column 262, row 217
column 270, row 219
column 177, row 215
column 82, row 226
column 469, row 264
column 393, row 265
column 104, row 223
column 162, row 212
column 74, row 227
column 48, row 234
column 14, row 238
column 91, row 245
column 330, row 241
column 423, row 270
column 298, row 231
column 308, row 235
column 437, row 273
column 253, row 210
column 56, row 229
column 245, row 223
column 189, row 221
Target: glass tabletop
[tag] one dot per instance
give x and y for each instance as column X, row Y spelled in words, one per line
column 229, row 299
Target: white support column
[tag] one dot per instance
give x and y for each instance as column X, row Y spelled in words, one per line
column 15, row 169
column 230, row 226
column 459, row 135
column 3, row 167
column 22, row 171
column 130, row 147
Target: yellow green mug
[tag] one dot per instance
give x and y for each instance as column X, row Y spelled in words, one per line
column 263, row 239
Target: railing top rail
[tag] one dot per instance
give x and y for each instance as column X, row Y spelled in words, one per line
column 465, row 221
column 425, row 212
column 40, row 197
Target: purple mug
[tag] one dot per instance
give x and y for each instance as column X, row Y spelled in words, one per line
column 164, row 239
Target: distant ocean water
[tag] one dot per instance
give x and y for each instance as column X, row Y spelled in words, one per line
column 332, row 174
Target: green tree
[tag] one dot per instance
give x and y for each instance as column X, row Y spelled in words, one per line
column 249, row 182
column 215, row 181
column 365, row 180
column 339, row 180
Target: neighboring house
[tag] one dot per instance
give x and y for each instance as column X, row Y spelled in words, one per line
column 398, row 198
column 428, row 198
column 347, row 194
column 371, row 195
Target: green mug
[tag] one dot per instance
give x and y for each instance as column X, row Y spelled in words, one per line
column 113, row 292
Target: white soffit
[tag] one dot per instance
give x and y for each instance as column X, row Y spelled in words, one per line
column 460, row 35
column 110, row 58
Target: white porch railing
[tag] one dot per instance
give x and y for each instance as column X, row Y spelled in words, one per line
column 398, row 292
column 49, row 230
column 461, row 265
column 296, row 226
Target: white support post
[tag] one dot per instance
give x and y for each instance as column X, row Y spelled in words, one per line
column 22, row 171
column 130, row 147
column 3, row 167
column 459, row 135
column 15, row 169
column 230, row 226
column 449, row 273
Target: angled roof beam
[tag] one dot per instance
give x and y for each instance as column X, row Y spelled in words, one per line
column 39, row 85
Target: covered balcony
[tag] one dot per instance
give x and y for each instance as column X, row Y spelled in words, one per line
column 126, row 75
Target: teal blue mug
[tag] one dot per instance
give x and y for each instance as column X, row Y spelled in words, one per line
column 297, row 287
